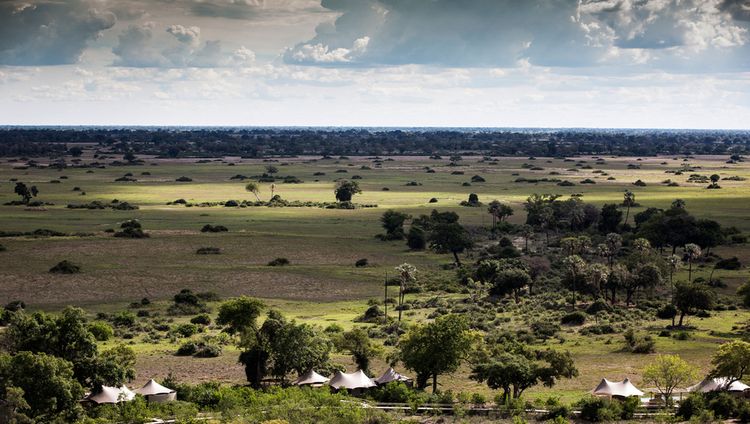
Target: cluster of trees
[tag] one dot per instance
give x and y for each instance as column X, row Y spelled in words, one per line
column 50, row 359
column 257, row 142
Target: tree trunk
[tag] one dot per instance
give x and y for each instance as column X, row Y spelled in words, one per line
column 458, row 261
column 682, row 315
column 434, row 383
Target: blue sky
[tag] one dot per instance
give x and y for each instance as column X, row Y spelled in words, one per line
column 548, row 63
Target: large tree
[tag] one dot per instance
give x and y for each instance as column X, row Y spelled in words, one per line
column 504, row 276
column 240, row 317
column 450, row 238
column 345, row 190
column 25, row 192
column 668, row 372
column 692, row 297
column 393, row 223
column 731, row 361
column 436, row 348
column 515, row 368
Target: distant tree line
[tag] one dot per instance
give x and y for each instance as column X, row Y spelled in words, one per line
column 259, row 142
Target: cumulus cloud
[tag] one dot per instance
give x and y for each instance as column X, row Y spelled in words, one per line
column 487, row 33
column 139, row 46
column 49, row 33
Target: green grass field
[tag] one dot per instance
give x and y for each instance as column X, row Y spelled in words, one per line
column 322, row 285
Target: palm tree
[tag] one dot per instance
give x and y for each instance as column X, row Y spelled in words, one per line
column 674, row 263
column 494, row 210
column 407, row 273
column 692, row 252
column 628, row 201
column 528, row 232
column 253, row 188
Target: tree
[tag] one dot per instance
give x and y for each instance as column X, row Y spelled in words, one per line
column 345, row 190
column 75, row 151
column 129, row 157
column 436, row 348
column 416, row 239
column 407, row 275
column 610, row 218
column 358, row 343
column 515, row 368
column 691, row 297
column 393, row 223
column 503, row 276
column 25, row 192
column 731, row 361
column 47, row 382
column 253, row 188
column 295, row 347
column 270, row 169
column 668, row 372
column 744, row 291
column 692, row 252
column 499, row 212
column 68, row 336
column 240, row 317
column 528, row 232
column 575, row 273
column 450, row 238
column 628, row 201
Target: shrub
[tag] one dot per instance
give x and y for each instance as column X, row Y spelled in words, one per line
column 65, row 267
column 186, row 330
column 208, row 251
column 184, row 179
column 101, row 331
column 187, row 297
column 279, row 262
column 691, row 406
column 208, row 228
column 596, row 409
column 573, row 318
column 637, row 343
column 187, row 349
column 599, row 305
column 124, row 319
column 3, row 248
column 731, row 264
column 202, row 319
column 361, row 263
column 722, row 404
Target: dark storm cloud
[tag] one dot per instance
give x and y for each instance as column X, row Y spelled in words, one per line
column 739, row 9
column 49, row 33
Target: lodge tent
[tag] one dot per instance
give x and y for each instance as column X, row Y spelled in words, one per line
column 110, row 395
column 718, row 384
column 357, row 381
column 155, row 392
column 616, row 389
column 390, row 375
column 311, row 378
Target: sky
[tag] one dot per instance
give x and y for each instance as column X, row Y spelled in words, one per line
column 455, row 63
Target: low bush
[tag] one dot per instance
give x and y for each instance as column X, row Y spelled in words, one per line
column 202, row 319
column 101, row 331
column 208, row 228
column 65, row 267
column 573, row 318
column 279, row 262
column 208, row 251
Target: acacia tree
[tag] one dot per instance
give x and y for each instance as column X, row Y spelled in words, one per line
column 575, row 273
column 731, row 361
column 436, row 348
column 499, row 212
column 668, row 372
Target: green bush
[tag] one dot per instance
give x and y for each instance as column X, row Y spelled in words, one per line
column 202, row 319
column 595, row 409
column 65, row 267
column 691, row 406
column 101, row 331
column 722, row 404
column 279, row 262
column 573, row 318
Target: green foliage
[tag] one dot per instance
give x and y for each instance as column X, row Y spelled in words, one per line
column 596, row 409
column 101, row 331
column 731, row 361
column 240, row 314
column 357, row 343
column 49, row 388
column 436, row 348
column 668, row 372
column 65, row 267
column 691, row 406
column 573, row 318
column 393, row 223
column 345, row 190
column 638, row 343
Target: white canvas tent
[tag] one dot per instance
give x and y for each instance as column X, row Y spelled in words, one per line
column 390, row 375
column 717, row 384
column 111, row 395
column 356, row 381
column 155, row 392
column 616, row 389
column 311, row 378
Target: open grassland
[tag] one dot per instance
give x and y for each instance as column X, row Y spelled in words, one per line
column 322, row 285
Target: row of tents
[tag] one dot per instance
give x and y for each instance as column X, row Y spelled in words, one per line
column 152, row 391
column 625, row 389
column 358, row 382
column 354, row 382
